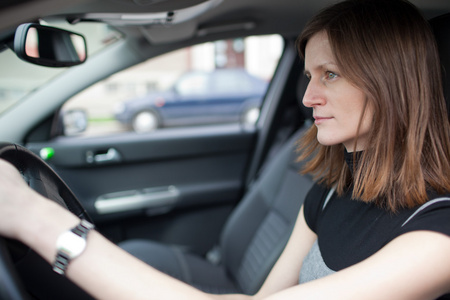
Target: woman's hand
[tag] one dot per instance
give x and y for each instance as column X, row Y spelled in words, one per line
column 15, row 200
column 24, row 212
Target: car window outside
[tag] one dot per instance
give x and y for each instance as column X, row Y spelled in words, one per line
column 234, row 82
column 214, row 83
column 192, row 84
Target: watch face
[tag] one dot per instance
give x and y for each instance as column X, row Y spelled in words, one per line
column 71, row 244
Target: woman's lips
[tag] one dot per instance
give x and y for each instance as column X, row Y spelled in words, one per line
column 320, row 120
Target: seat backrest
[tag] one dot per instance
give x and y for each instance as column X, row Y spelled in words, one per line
column 259, row 228
column 441, row 29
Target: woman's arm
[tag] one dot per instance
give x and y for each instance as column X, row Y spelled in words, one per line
column 107, row 272
column 414, row 266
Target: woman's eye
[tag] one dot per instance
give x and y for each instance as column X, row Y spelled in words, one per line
column 330, row 75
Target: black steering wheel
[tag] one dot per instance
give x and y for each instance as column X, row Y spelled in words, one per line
column 24, row 274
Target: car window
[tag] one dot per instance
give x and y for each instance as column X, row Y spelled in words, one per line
column 19, row 78
column 214, row 83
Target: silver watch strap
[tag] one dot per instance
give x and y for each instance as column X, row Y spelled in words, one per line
column 83, row 228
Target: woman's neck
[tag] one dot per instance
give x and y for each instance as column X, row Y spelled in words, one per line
column 352, row 159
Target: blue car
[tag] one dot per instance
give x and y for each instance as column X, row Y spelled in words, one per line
column 196, row 98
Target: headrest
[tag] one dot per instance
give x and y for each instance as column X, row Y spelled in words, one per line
column 441, row 29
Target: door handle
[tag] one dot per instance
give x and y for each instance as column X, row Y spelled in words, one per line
column 149, row 198
column 112, row 155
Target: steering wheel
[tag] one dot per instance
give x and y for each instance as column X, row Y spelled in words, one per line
column 24, row 272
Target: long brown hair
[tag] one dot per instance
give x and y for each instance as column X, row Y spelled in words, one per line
column 387, row 49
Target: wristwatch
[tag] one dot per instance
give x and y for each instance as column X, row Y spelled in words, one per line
column 70, row 244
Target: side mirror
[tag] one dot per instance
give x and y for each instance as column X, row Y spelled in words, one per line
column 49, row 46
column 74, row 122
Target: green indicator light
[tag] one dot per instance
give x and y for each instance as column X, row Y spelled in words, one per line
column 47, row 153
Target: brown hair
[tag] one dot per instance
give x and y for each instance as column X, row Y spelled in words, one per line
column 387, row 49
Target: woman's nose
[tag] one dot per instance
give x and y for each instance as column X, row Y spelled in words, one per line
column 313, row 95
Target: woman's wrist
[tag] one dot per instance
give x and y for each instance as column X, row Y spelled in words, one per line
column 46, row 221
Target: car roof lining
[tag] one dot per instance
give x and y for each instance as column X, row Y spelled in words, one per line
column 244, row 17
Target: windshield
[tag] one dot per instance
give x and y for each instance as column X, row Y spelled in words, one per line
column 19, row 78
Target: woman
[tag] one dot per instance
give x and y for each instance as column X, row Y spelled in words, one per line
column 381, row 138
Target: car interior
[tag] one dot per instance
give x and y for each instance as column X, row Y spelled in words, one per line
column 212, row 206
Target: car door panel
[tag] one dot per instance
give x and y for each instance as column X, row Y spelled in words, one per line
column 170, row 173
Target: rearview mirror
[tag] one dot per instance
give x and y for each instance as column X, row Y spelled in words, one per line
column 49, row 46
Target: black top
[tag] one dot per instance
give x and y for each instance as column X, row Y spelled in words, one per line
column 350, row 230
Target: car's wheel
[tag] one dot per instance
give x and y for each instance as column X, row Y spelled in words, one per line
column 22, row 270
column 145, row 121
column 250, row 115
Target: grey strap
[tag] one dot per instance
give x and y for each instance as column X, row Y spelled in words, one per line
column 327, row 199
column 425, row 205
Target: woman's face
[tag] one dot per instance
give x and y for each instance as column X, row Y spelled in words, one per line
column 337, row 104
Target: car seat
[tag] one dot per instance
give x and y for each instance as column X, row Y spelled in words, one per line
column 254, row 235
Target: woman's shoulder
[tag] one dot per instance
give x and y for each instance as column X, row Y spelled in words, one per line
column 314, row 203
column 434, row 215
